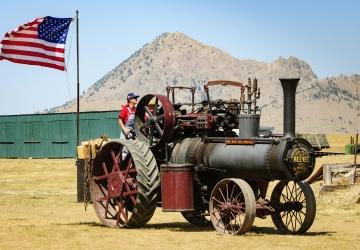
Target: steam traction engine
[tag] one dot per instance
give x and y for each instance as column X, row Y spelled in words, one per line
column 195, row 163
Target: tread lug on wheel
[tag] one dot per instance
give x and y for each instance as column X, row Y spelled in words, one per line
column 124, row 184
column 232, row 206
column 296, row 207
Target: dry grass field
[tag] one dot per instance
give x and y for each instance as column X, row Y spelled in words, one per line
column 38, row 210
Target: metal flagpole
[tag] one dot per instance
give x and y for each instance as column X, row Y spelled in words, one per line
column 355, row 155
column 78, row 80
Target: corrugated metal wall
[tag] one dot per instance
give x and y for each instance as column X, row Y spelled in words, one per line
column 52, row 135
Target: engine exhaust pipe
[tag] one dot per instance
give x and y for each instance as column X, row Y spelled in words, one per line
column 289, row 86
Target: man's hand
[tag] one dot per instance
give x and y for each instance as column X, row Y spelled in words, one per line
column 126, row 131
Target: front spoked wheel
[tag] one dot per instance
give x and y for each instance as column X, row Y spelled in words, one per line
column 295, row 207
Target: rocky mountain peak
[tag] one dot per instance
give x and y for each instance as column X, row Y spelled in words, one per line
column 294, row 67
column 175, row 59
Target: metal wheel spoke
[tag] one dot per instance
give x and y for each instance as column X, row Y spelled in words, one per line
column 294, row 219
column 291, row 219
column 287, row 220
column 302, row 197
column 299, row 197
column 303, row 213
column 293, row 188
column 298, row 218
column 303, row 201
column 156, row 106
column 293, row 191
column 112, row 204
column 101, row 189
column 115, row 158
column 222, row 195
column 288, row 191
column 114, row 208
column 231, row 224
column 118, row 156
column 121, row 210
column 148, row 111
column 131, row 196
column 219, row 220
column 298, row 193
column 104, row 168
column 237, row 196
column 106, row 206
column 118, row 217
column 286, row 199
column 105, row 196
column 160, row 118
column 101, row 177
column 220, row 202
column 232, row 192
column 238, row 220
column 159, row 130
column 232, row 228
column 298, row 221
column 284, row 213
column 227, row 191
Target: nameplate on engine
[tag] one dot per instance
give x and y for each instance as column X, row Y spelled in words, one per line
column 235, row 141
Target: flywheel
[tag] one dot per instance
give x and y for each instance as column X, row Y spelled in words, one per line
column 154, row 120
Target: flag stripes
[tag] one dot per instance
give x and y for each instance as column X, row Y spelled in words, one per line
column 40, row 42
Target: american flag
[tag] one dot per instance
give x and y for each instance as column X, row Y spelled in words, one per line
column 39, row 42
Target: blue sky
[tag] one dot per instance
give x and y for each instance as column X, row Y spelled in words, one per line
column 326, row 34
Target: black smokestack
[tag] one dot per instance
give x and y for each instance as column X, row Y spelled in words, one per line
column 289, row 89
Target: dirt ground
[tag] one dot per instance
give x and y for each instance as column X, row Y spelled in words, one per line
column 38, row 210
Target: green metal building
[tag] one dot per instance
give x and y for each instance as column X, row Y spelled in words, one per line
column 52, row 135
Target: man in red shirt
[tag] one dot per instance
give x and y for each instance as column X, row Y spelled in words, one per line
column 127, row 116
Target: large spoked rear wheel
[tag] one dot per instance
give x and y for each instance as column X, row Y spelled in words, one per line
column 296, row 207
column 125, row 183
column 232, row 206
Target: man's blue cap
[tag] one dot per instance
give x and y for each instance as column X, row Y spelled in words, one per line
column 132, row 96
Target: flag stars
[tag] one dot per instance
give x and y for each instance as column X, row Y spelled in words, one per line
column 54, row 29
